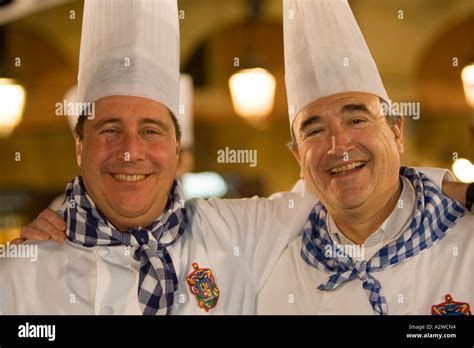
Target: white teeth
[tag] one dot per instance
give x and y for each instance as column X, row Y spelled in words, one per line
column 346, row 167
column 129, row 177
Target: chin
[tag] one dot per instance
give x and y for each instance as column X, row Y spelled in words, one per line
column 348, row 205
column 130, row 209
column 350, row 201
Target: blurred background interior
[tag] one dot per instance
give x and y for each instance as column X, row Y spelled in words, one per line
column 421, row 48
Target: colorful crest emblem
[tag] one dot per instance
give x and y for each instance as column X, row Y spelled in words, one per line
column 203, row 285
column 451, row 307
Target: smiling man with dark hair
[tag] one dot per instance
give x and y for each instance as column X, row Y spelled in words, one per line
column 133, row 246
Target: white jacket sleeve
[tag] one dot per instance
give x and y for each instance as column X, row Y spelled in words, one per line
column 438, row 175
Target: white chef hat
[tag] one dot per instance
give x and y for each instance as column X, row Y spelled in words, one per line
column 325, row 53
column 185, row 115
column 130, row 47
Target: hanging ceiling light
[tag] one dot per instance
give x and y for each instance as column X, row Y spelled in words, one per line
column 252, row 89
column 467, row 76
column 12, row 95
column 252, row 92
column 12, row 101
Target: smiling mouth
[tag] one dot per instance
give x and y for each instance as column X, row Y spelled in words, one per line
column 130, row 178
column 347, row 168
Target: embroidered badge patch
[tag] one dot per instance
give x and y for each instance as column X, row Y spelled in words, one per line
column 203, row 285
column 451, row 307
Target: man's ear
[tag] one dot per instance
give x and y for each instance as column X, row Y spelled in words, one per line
column 78, row 150
column 398, row 131
column 178, row 147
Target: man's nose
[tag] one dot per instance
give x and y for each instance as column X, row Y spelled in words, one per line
column 340, row 143
column 131, row 149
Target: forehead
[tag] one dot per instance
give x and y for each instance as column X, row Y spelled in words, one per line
column 333, row 104
column 119, row 106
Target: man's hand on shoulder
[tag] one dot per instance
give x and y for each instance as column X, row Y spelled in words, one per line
column 46, row 226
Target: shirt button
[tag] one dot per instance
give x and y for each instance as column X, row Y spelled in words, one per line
column 107, row 310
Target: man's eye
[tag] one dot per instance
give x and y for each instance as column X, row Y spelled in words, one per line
column 314, row 131
column 150, row 132
column 109, row 131
column 358, row 121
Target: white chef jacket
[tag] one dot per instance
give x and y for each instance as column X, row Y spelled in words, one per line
column 239, row 240
column 411, row 287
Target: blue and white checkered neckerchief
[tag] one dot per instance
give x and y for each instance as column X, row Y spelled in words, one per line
column 87, row 226
column 434, row 215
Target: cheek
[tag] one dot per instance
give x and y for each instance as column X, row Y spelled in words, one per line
column 163, row 154
column 376, row 139
column 386, row 147
column 311, row 159
column 386, row 157
column 95, row 153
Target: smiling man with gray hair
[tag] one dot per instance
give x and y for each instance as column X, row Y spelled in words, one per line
column 383, row 239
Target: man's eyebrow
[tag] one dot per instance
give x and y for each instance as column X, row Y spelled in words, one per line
column 159, row 123
column 107, row 120
column 356, row 107
column 143, row 121
column 309, row 121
